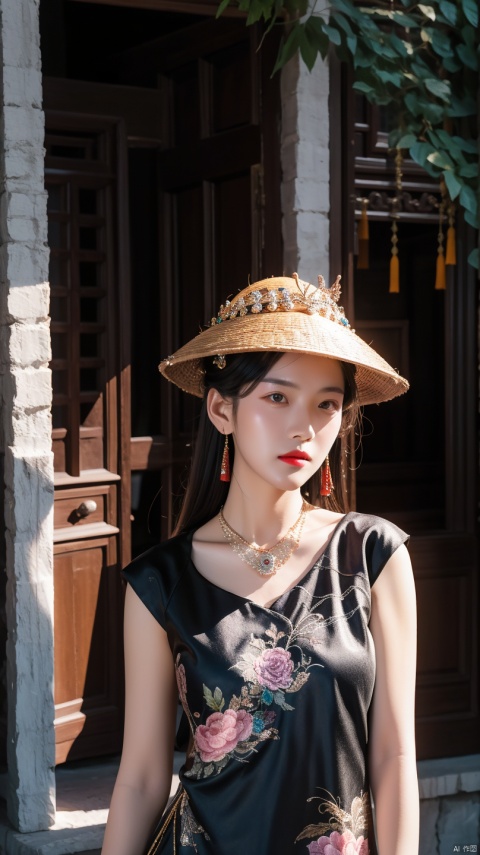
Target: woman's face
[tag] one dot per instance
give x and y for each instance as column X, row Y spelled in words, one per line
column 285, row 427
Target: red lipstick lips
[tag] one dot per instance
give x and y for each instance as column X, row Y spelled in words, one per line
column 295, row 458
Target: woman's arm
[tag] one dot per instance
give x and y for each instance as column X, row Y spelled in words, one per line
column 144, row 778
column 393, row 773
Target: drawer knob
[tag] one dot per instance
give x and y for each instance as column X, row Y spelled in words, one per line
column 86, row 508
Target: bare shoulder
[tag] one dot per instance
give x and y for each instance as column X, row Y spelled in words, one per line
column 321, row 518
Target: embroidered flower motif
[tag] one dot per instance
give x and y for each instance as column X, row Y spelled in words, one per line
column 189, row 826
column 261, row 720
column 347, row 832
column 339, row 844
column 221, row 734
column 274, row 668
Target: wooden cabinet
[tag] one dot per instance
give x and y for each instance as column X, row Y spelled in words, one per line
column 88, row 664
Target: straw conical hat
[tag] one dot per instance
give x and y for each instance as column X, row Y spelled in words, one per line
column 288, row 315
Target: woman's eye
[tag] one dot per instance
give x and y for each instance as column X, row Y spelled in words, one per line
column 330, row 405
column 277, row 398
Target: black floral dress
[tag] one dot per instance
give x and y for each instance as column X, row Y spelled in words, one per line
column 276, row 700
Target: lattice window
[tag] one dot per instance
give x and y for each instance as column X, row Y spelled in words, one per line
column 80, row 266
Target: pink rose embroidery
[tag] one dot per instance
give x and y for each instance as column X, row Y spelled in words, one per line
column 221, row 733
column 274, row 668
column 339, row 844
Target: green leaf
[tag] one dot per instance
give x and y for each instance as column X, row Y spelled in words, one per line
column 453, row 184
column 389, row 77
column 440, row 41
column 363, row 87
column 342, row 21
column 428, row 11
column 451, row 64
column 288, row 48
column 361, row 59
column 470, row 10
column 470, row 170
column 407, row 141
column 469, row 36
column 314, row 27
column 333, row 34
column 350, row 10
column 218, row 698
column 411, row 102
column 440, row 138
column 471, row 219
column 459, row 107
column 419, row 151
column 470, row 146
column 398, row 44
column 351, row 38
column 449, row 10
column 468, row 199
column 473, row 258
column 222, row 7
column 352, row 44
column 308, row 48
column 440, row 88
column 468, row 56
column 440, row 159
column 403, row 20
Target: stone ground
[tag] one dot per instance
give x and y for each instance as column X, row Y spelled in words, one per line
column 83, row 796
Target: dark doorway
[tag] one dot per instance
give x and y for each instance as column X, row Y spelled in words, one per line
column 161, row 202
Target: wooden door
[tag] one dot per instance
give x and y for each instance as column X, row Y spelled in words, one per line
column 218, row 222
column 87, row 240
column 416, row 458
column 200, row 157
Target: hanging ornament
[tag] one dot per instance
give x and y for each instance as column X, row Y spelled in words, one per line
column 326, row 483
column 394, row 287
column 451, row 253
column 394, row 263
column 440, row 279
column 225, row 465
column 363, row 237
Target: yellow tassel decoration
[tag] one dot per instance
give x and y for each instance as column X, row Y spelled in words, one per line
column 394, row 275
column 440, row 279
column 362, row 234
column 363, row 224
column 451, row 253
column 394, row 286
column 451, row 257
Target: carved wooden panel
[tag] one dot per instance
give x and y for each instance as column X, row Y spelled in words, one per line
column 88, row 678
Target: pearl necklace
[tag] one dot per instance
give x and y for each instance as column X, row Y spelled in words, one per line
column 265, row 561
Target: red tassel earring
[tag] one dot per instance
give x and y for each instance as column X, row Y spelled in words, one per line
column 225, row 467
column 326, row 484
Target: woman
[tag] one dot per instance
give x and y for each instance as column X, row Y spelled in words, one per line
column 287, row 626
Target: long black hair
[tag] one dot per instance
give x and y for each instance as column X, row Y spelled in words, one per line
column 205, row 493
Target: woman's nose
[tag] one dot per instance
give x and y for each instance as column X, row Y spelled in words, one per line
column 304, row 432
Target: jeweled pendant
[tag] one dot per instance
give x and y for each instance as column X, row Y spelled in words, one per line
column 267, row 564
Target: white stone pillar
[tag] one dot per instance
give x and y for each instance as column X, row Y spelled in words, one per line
column 25, row 422
column 306, row 167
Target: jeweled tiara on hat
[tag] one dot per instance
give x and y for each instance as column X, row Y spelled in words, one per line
column 288, row 315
